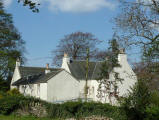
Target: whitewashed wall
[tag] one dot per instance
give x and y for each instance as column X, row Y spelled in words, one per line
column 43, row 91
column 29, row 90
column 16, row 76
column 62, row 87
column 126, row 73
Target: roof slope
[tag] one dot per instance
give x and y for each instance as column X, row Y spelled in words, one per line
column 29, row 71
column 78, row 69
column 37, row 78
column 32, row 75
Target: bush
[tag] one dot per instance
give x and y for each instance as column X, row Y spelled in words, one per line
column 86, row 109
column 142, row 103
column 152, row 113
column 13, row 92
column 11, row 103
column 155, row 98
column 2, row 94
column 137, row 101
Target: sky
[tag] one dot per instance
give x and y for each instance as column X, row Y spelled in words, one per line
column 42, row 31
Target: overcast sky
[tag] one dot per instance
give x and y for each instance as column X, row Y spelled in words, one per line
column 42, row 31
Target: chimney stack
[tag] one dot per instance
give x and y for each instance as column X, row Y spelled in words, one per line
column 47, row 69
column 18, row 62
column 65, row 62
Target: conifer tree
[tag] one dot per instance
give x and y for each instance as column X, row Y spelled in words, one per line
column 108, row 88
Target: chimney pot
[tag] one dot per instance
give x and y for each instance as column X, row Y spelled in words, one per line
column 47, row 69
column 47, row 66
column 65, row 55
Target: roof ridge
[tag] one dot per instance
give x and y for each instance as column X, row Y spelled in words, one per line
column 37, row 67
column 85, row 61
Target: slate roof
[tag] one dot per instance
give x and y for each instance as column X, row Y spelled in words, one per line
column 78, row 69
column 29, row 71
column 37, row 78
column 32, row 75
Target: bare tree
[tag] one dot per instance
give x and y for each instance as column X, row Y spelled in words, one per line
column 148, row 72
column 76, row 45
column 138, row 24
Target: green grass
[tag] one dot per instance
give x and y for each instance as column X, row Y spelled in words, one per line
column 13, row 117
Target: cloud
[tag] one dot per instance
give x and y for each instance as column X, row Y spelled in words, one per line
column 74, row 6
column 80, row 5
column 7, row 3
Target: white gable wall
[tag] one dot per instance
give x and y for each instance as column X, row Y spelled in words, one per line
column 62, row 87
column 16, row 76
column 126, row 73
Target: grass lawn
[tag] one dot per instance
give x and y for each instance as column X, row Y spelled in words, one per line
column 12, row 117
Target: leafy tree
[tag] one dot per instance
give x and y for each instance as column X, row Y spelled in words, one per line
column 32, row 5
column 11, row 46
column 75, row 45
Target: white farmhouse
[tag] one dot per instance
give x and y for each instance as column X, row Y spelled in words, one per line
column 68, row 82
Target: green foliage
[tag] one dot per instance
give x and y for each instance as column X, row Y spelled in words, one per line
column 114, row 48
column 2, row 94
column 80, row 110
column 111, row 61
column 152, row 113
column 13, row 117
column 141, row 104
column 32, row 5
column 3, row 85
column 155, row 98
column 13, row 92
column 10, row 103
column 11, row 48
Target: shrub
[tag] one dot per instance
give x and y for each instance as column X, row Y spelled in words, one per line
column 2, row 94
column 86, row 109
column 10, row 103
column 155, row 98
column 152, row 113
column 137, row 101
column 13, row 92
